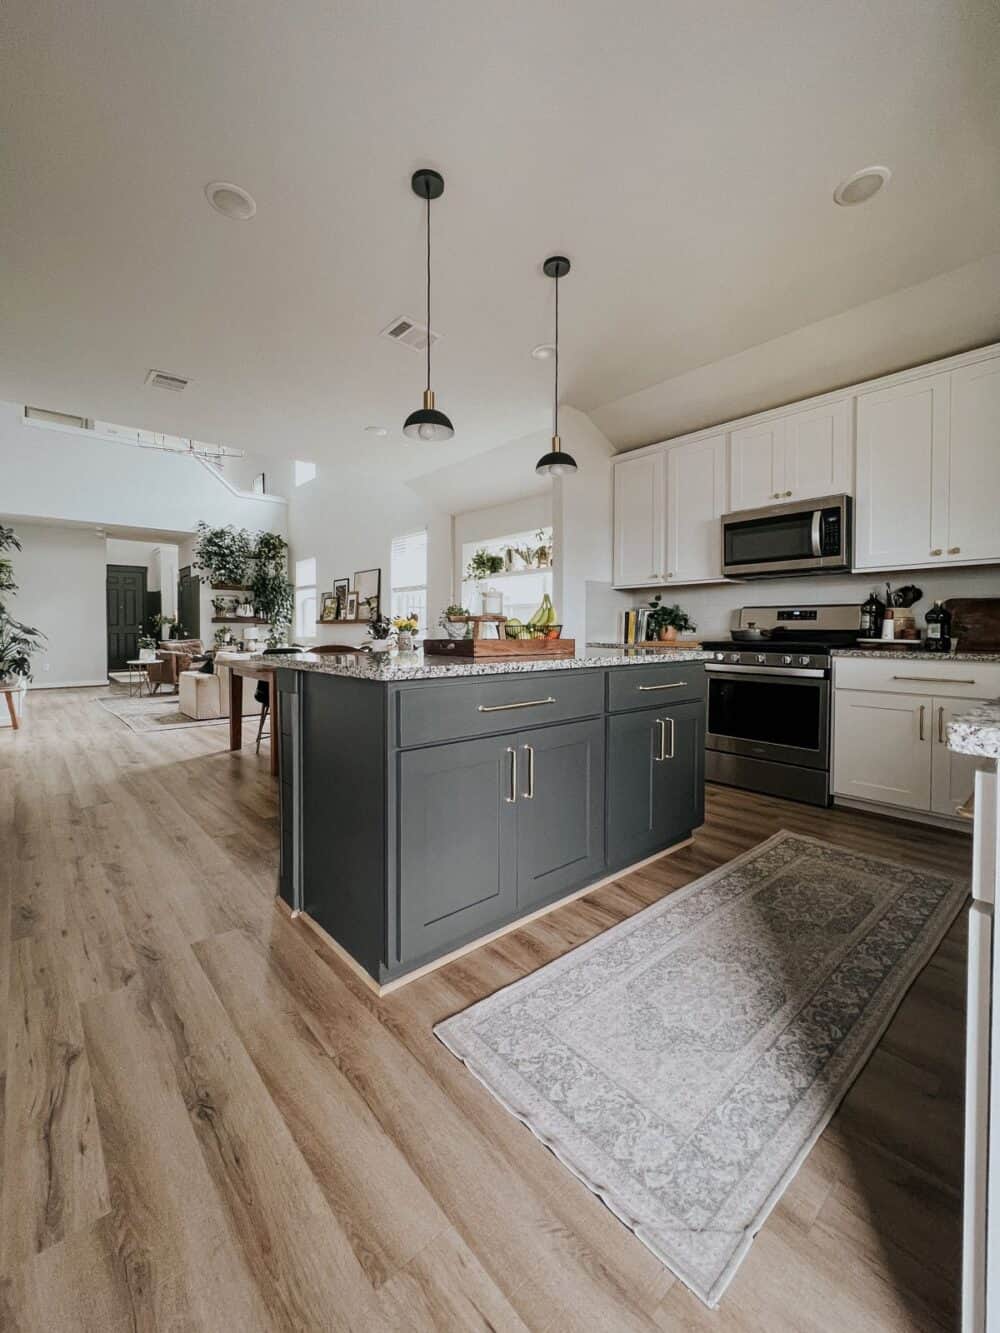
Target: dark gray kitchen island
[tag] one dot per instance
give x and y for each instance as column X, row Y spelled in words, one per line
column 426, row 806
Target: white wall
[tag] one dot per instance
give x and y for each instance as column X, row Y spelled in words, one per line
column 61, row 573
column 711, row 606
column 581, row 522
column 66, row 475
column 948, row 314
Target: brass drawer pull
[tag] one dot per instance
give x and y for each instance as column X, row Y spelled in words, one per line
column 661, row 730
column 937, row 680
column 676, row 685
column 504, row 708
column 529, row 795
column 940, row 724
column 511, row 797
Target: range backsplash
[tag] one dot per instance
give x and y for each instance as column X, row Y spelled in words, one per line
column 711, row 606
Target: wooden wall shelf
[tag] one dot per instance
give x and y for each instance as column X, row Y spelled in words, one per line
column 357, row 621
column 238, row 620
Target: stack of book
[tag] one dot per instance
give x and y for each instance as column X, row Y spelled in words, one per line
column 632, row 624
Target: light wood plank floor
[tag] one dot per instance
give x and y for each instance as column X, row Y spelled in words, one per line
column 209, row 1124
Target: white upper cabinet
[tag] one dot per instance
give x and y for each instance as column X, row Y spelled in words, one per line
column 796, row 457
column 818, row 455
column 640, row 521
column 696, row 500
column 970, row 523
column 757, row 465
column 902, row 459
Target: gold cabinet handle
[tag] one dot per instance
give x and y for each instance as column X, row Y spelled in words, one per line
column 529, row 795
column 938, row 680
column 511, row 797
column 937, row 551
column 503, row 708
column 941, row 724
column 671, row 753
column 923, row 710
column 954, row 550
column 661, row 728
column 674, row 685
column 787, row 494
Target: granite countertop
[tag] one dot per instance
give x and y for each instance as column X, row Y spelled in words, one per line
column 977, row 732
column 389, row 667
column 915, row 654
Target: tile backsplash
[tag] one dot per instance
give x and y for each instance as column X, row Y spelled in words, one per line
column 711, row 606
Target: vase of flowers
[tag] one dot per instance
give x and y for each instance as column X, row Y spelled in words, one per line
column 666, row 622
column 405, row 627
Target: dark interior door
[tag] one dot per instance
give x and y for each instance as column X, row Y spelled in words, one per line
column 126, row 602
column 189, row 603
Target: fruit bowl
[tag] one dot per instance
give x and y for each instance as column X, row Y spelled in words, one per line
column 519, row 631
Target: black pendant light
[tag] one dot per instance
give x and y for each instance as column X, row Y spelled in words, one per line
column 556, row 463
column 428, row 424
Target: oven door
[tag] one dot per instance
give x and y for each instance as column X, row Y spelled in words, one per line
column 783, row 717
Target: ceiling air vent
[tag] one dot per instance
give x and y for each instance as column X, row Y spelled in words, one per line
column 409, row 333
column 55, row 418
column 159, row 379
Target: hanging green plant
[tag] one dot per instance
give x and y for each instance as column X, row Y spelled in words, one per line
column 225, row 555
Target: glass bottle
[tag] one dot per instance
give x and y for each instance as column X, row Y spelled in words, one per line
column 937, row 638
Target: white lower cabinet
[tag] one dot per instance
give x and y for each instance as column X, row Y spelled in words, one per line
column 890, row 731
column 881, row 748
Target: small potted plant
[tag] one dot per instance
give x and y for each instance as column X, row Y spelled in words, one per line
column 543, row 551
column 380, row 633
column 453, row 621
column 666, row 622
column 147, row 648
column 405, row 627
column 483, row 564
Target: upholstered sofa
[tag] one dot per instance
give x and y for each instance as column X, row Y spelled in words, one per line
column 172, row 657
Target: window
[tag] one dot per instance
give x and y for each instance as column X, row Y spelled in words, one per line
column 524, row 579
column 408, row 577
column 305, row 598
column 304, row 472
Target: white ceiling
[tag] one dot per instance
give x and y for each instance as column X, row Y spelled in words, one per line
column 682, row 153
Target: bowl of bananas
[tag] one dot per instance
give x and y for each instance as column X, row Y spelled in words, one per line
column 542, row 625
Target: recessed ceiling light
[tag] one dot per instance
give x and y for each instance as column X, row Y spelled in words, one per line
column 543, row 352
column 859, row 187
column 232, row 201
column 376, row 430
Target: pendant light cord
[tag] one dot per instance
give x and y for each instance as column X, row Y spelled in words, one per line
column 555, row 402
column 428, row 290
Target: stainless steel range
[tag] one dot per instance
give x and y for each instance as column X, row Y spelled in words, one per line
column 769, row 699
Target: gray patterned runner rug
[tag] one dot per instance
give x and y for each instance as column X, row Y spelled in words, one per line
column 683, row 1063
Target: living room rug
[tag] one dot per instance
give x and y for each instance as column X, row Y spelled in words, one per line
column 683, row 1063
column 158, row 713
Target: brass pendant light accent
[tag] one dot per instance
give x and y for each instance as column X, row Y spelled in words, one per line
column 556, row 463
column 427, row 423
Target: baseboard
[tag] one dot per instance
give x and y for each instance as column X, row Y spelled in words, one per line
column 956, row 824
column 64, row 684
column 388, row 987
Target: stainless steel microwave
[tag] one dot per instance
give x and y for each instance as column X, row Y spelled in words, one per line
column 802, row 537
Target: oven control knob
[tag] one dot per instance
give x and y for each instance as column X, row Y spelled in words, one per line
column 762, row 657
column 734, row 657
column 720, row 657
column 804, row 661
column 786, row 660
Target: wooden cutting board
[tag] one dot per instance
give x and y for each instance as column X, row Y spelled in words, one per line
column 975, row 623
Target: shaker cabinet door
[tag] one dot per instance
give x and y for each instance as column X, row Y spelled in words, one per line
column 757, row 465
column 972, row 524
column 818, row 452
column 881, row 749
column 953, row 776
column 696, row 500
column 640, row 521
column 457, row 852
column 902, row 470
column 560, row 810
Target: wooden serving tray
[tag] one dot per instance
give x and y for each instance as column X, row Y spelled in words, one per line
column 481, row 650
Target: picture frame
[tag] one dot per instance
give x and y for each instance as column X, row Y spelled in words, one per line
column 329, row 607
column 368, row 586
column 351, row 606
column 340, row 591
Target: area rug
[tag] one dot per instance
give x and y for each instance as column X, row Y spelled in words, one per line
column 158, row 713
column 683, row 1063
